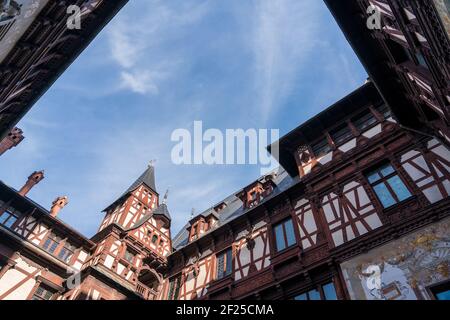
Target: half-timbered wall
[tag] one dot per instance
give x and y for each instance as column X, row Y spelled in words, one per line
column 349, row 214
column 140, row 202
column 20, row 277
column 251, row 253
column 306, row 223
column 430, row 170
column 307, row 161
column 196, row 278
column 156, row 239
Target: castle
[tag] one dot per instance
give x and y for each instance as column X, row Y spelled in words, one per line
column 359, row 208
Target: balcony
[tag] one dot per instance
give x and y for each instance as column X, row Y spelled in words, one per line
column 146, row 292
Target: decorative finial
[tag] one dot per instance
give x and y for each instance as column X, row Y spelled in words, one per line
column 165, row 197
column 151, row 163
column 192, row 213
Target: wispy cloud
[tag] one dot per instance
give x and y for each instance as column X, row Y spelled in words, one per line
column 137, row 42
column 284, row 35
column 159, row 66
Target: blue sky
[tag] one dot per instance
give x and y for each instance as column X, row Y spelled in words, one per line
column 161, row 65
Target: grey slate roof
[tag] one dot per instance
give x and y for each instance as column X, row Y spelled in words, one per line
column 147, row 178
column 162, row 210
column 235, row 208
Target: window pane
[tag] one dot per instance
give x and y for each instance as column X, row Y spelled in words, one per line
column 3, row 217
column 10, row 221
column 386, row 170
column 341, row 134
column 314, row 295
column 373, row 177
column 301, row 297
column 229, row 262
column 384, row 195
column 289, row 233
column 364, row 120
column 321, row 148
column 279, row 237
column 329, row 291
column 384, row 110
column 445, row 295
column 220, row 266
column 399, row 188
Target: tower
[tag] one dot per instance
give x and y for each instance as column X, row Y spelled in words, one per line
column 134, row 238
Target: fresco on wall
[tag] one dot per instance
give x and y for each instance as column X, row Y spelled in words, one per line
column 402, row 269
column 15, row 18
column 442, row 7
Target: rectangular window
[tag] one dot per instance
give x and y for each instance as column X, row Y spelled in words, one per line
column 388, row 186
column 441, row 291
column 43, row 293
column 284, row 235
column 66, row 252
column 129, row 256
column 224, row 263
column 174, row 288
column 321, row 148
column 364, row 120
column 51, row 243
column 328, row 293
column 341, row 134
column 384, row 110
column 9, row 217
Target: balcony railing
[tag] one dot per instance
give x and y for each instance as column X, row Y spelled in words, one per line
column 146, row 292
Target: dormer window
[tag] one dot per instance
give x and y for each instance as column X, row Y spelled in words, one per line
column 220, row 207
column 201, row 224
column 256, row 192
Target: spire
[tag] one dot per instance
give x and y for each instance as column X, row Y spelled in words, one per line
column 165, row 197
column 147, row 178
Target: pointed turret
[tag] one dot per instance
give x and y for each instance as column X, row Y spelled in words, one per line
column 162, row 210
column 147, row 178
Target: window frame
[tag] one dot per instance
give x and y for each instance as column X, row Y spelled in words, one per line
column 341, row 139
column 227, row 257
column 384, row 179
column 173, row 293
column 437, row 288
column 41, row 297
column 364, row 116
column 10, row 212
column 127, row 253
column 285, row 239
column 54, row 239
column 319, row 288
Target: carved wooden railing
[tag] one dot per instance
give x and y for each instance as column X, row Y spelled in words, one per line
column 146, row 292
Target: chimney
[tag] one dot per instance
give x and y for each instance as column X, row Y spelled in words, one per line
column 11, row 140
column 57, row 205
column 34, row 179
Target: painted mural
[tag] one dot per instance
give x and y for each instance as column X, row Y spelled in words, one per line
column 403, row 269
column 442, row 7
column 15, row 18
